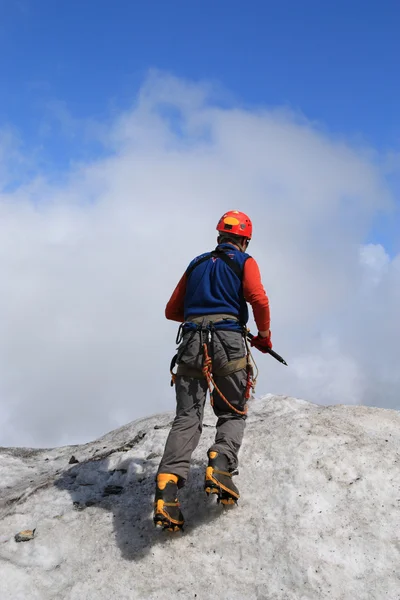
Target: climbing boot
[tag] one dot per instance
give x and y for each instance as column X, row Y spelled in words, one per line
column 167, row 512
column 218, row 479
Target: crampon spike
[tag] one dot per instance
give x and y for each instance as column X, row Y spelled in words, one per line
column 167, row 525
column 228, row 501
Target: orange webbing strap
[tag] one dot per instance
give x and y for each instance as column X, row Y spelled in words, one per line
column 207, row 372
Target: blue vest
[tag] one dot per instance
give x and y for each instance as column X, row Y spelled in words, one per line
column 213, row 287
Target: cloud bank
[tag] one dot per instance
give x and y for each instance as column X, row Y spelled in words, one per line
column 88, row 263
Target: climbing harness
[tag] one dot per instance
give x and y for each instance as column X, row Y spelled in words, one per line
column 207, row 370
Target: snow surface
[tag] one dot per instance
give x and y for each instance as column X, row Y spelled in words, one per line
column 318, row 517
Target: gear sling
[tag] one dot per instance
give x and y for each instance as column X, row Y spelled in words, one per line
column 206, row 333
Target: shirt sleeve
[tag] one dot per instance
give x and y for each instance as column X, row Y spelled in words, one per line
column 254, row 293
column 174, row 310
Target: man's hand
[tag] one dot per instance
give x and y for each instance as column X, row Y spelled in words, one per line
column 262, row 343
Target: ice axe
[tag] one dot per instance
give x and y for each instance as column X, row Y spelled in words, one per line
column 269, row 351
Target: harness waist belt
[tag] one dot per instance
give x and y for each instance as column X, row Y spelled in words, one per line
column 231, row 367
column 198, row 320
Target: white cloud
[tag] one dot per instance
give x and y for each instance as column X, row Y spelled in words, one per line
column 376, row 261
column 88, row 265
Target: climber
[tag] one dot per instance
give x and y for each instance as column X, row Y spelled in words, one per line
column 210, row 302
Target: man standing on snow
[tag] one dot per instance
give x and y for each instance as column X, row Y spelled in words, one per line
column 210, row 302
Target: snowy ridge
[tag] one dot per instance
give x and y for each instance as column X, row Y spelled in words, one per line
column 318, row 517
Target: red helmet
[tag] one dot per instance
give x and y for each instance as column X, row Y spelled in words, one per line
column 237, row 223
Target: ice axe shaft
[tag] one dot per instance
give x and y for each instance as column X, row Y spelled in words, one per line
column 271, row 352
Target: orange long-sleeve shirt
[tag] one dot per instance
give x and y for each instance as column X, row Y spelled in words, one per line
column 253, row 292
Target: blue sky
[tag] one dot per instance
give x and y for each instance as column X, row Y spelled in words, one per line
column 338, row 63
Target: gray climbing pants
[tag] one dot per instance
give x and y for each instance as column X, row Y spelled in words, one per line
column 227, row 351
